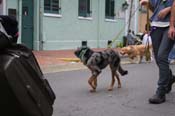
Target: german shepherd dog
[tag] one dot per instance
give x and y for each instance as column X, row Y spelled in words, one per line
column 96, row 61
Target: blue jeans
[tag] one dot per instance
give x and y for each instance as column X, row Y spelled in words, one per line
column 172, row 53
column 161, row 47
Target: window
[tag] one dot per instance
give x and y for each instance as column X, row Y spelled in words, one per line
column 84, row 9
column 110, row 9
column 52, row 6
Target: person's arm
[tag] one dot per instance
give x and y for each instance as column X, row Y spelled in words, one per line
column 171, row 32
column 164, row 12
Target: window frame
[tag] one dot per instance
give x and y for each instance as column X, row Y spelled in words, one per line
column 52, row 11
column 87, row 13
column 110, row 13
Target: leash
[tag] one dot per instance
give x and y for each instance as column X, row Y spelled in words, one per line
column 147, row 46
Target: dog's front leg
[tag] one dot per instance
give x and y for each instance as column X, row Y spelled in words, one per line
column 93, row 79
column 131, row 60
column 92, row 82
column 139, row 59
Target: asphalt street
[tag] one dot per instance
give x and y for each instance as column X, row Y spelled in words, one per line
column 74, row 98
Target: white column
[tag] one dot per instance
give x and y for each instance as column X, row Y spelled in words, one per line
column 3, row 7
column 127, row 17
column 136, row 16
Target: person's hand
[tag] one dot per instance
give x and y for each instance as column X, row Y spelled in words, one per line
column 171, row 33
column 144, row 2
column 162, row 14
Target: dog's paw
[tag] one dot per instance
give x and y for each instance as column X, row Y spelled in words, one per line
column 124, row 73
column 119, row 86
column 110, row 88
column 92, row 90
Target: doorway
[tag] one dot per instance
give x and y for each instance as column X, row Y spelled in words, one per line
column 27, row 23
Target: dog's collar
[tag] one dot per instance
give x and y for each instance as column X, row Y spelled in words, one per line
column 82, row 53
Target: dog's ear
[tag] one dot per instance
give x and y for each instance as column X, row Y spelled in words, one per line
column 76, row 51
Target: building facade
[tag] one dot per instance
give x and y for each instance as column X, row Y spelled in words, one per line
column 65, row 24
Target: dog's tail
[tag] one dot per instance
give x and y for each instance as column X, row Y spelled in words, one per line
column 122, row 71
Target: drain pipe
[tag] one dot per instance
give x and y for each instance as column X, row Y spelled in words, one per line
column 41, row 42
column 98, row 24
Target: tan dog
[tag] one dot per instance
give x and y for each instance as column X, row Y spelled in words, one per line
column 135, row 51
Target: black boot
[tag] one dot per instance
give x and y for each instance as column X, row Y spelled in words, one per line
column 157, row 99
column 169, row 87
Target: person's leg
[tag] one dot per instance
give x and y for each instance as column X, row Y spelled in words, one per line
column 162, row 52
column 162, row 60
column 156, row 36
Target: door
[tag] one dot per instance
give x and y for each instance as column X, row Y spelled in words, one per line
column 27, row 23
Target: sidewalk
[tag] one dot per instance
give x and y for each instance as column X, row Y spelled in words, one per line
column 53, row 61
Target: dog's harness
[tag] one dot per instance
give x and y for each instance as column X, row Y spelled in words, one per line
column 82, row 54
